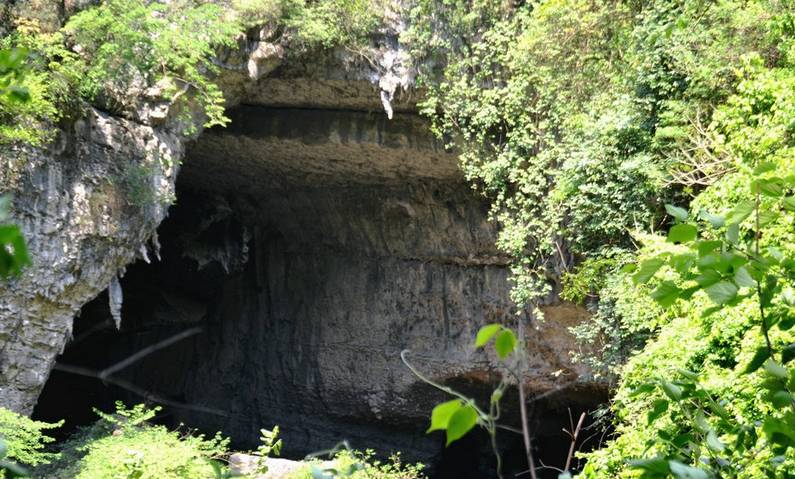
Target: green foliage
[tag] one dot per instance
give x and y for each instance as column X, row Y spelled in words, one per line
column 135, row 44
column 269, row 445
column 362, row 465
column 25, row 440
column 329, row 23
column 125, row 445
column 12, row 72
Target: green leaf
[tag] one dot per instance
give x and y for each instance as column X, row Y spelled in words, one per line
column 775, row 369
column 707, row 247
column 769, row 187
column 715, row 220
column 677, row 212
column 682, row 471
column 629, row 268
column 505, row 343
column 743, row 279
column 764, row 167
column 733, row 233
column 647, row 270
column 759, row 358
column 666, row 293
column 655, row 465
column 740, row 212
column 782, row 399
column 708, row 277
column 714, row 443
column 658, row 408
column 441, row 414
column 682, row 233
column 671, row 390
column 788, row 354
column 788, row 203
column 486, row 333
column 721, row 292
column 688, row 374
column 461, row 422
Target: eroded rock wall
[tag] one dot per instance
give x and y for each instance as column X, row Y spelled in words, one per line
column 311, row 247
column 87, row 206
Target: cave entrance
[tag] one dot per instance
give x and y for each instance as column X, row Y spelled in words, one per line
column 306, row 249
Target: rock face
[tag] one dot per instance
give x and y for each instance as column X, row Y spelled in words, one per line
column 87, row 207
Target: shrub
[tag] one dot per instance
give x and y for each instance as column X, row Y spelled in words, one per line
column 124, row 445
column 25, row 438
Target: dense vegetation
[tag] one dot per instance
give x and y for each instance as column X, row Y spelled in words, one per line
column 581, row 120
column 606, row 134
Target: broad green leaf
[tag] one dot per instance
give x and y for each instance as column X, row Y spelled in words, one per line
column 721, row 292
column 666, row 293
column 788, row 354
column 461, row 422
column 701, row 423
column 706, row 247
column 682, row 263
column 688, row 374
column 677, row 212
column 788, row 203
column 647, row 270
column 682, row 471
column 505, row 343
column 769, row 186
column 629, row 268
column 671, row 390
column 764, row 167
column 715, row 220
column 486, row 333
column 740, row 212
column 759, row 358
column 775, row 369
column 782, row 399
column 714, row 443
column 743, row 279
column 767, row 217
column 682, row 233
column 708, row 277
column 441, row 414
column 733, row 233
column 658, row 408
column 655, row 465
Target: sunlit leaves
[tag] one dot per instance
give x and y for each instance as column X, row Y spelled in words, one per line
column 677, row 212
column 721, row 292
column 682, row 233
column 455, row 417
column 740, row 212
column 441, row 414
column 461, row 422
column 647, row 270
column 505, row 342
column 486, row 333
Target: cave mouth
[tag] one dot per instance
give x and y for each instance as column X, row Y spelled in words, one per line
column 305, row 251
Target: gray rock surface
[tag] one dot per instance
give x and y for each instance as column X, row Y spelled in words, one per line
column 87, row 206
